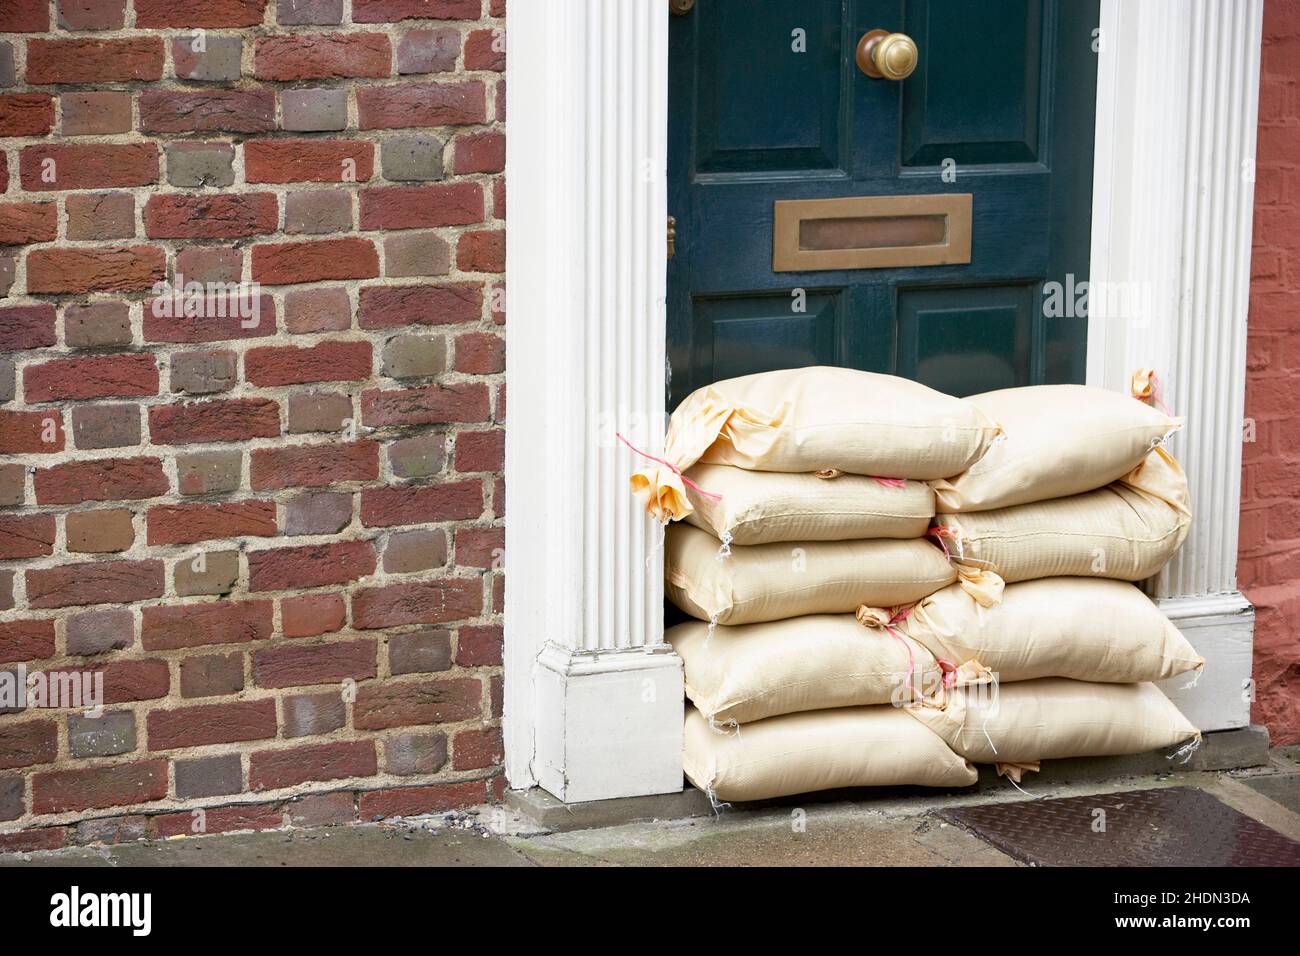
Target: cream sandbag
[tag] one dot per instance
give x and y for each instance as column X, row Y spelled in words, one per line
column 818, row 750
column 752, row 671
column 768, row 582
column 814, row 419
column 1021, row 724
column 1127, row 530
column 758, row 507
column 1056, row 440
column 1092, row 629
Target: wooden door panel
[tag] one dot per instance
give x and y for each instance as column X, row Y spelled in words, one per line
column 742, row 335
column 968, row 339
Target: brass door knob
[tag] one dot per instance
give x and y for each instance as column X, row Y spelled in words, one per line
column 885, row 55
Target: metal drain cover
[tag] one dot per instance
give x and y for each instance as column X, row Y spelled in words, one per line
column 1174, row 826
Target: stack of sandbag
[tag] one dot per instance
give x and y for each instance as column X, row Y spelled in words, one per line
column 1074, row 500
column 804, row 496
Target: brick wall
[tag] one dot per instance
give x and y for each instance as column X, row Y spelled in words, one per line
column 274, row 531
column 1269, row 558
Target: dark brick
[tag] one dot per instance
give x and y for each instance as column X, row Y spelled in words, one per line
column 208, row 776
column 419, row 652
column 408, row 754
column 103, row 736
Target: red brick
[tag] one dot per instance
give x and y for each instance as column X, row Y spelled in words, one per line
column 485, row 50
column 60, row 791
column 285, row 263
column 479, row 547
column 95, row 582
column 28, row 431
column 105, row 479
column 298, row 664
column 273, row 769
column 211, row 724
column 235, row 419
column 190, row 523
column 326, row 362
column 94, row 61
column 310, row 566
column 480, row 353
column 481, row 153
column 481, row 451
column 480, row 645
column 88, row 166
column 101, row 216
column 313, row 466
column 26, row 114
column 322, row 56
column 308, row 160
column 199, row 13
column 66, row 270
column 414, row 703
column 499, row 199
column 426, row 405
column 43, row 838
column 213, row 326
column 422, row 602
column 126, row 681
column 27, row 327
column 421, row 207
column 421, row 504
column 28, row 743
column 477, row 749
column 26, row 640
column 381, row 307
column 92, row 14
column 25, row 222
column 244, row 816
column 207, row 111
column 26, row 536
column 410, row 801
column 25, row 16
column 308, row 615
column 95, row 113
column 391, row 11
column 422, row 104
column 108, row 376
column 210, row 216
column 482, row 251
column 172, row 626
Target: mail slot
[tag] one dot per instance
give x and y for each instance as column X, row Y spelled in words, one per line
column 871, row 232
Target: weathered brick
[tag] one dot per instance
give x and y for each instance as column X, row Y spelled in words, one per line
column 105, row 479
column 106, row 426
column 132, row 680
column 26, row 640
column 485, row 50
column 391, row 505
column 105, row 736
column 415, row 551
column 410, row 801
column 101, row 216
column 211, row 724
column 318, row 412
column 407, row 754
column 169, row 627
column 92, row 14
column 13, row 793
column 412, row 158
column 8, row 74
column 428, row 51
column 191, row 523
column 310, row 715
column 308, row 160
column 26, row 327
column 422, row 104
column 26, row 222
column 419, row 652
column 417, row 457
column 323, row 512
column 416, row 254
column 65, row 270
column 413, row 703
column 481, row 153
column 95, row 113
column 94, row 61
column 241, row 816
column 40, row 432
column 212, row 675
column 196, row 165
column 210, row 215
column 285, row 263
column 323, row 809
column 477, row 748
column 217, row 62
column 100, row 532
column 332, row 361
column 97, row 582
column 25, row 114
column 480, row 645
column 207, row 111
column 301, row 664
column 312, row 466
column 391, row 11
column 421, row 207
column 209, row 472
column 127, row 828
column 482, row 251
column 383, row 307
column 95, row 632
column 414, row 356
column 314, row 111
column 274, row 769
column 317, row 212
column 310, row 566
column 153, row 14
column 421, row 602
column 61, row 166
column 25, row 16
column 480, row 451
column 61, row 791
column 29, row 743
column 317, row 310
column 322, row 56
column 109, row 376
column 426, row 405
column 97, row 325
column 210, row 264
column 308, row 615
column 26, row 536
column 208, row 572
column 208, row 776
column 309, row 12
column 239, row 315
column 203, row 373
column 236, row 419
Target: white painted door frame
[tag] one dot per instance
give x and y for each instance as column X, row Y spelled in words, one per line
column 593, row 697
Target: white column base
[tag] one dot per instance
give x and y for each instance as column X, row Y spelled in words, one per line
column 1221, row 628
column 608, row 724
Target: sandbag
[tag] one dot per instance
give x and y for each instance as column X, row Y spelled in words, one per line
column 1023, row 723
column 758, row 507
column 814, row 419
column 818, row 750
column 1057, row 440
column 752, row 671
column 768, row 582
column 1091, row 629
column 1128, row 530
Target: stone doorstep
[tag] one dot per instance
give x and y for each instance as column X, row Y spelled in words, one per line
column 1239, row 749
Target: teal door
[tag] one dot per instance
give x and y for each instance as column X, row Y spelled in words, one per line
column 825, row 216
